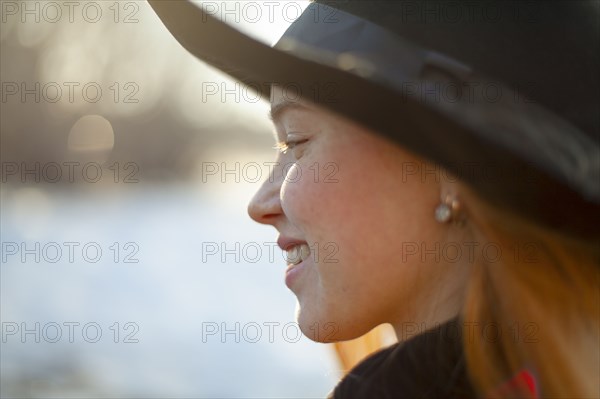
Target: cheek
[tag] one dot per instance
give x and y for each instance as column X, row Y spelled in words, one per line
column 306, row 199
column 325, row 198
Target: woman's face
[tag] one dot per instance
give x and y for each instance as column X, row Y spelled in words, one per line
column 355, row 200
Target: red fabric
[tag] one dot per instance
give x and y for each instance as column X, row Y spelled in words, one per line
column 522, row 383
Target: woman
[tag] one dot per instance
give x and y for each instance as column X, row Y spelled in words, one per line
column 409, row 268
column 413, row 195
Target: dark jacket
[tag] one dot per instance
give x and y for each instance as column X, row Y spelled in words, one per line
column 429, row 365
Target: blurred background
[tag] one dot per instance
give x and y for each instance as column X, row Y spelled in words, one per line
column 129, row 265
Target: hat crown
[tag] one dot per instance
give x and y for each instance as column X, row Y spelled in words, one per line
column 545, row 50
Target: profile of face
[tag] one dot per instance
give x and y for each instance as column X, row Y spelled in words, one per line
column 365, row 211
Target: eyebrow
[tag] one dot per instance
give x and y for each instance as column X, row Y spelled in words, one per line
column 278, row 109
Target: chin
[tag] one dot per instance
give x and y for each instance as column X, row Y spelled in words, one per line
column 327, row 328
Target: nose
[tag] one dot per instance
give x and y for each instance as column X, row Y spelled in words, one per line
column 265, row 206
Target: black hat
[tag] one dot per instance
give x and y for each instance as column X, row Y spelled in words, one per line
column 504, row 94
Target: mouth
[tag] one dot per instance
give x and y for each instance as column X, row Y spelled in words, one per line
column 297, row 256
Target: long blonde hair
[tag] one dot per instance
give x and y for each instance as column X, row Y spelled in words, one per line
column 536, row 307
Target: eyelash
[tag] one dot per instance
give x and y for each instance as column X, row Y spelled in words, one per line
column 284, row 146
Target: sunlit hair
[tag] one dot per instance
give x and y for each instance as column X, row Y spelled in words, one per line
column 540, row 304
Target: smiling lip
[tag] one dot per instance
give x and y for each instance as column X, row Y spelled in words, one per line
column 293, row 270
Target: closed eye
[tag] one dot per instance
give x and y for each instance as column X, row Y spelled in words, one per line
column 285, row 146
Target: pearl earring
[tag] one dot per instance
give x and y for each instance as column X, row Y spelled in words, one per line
column 448, row 210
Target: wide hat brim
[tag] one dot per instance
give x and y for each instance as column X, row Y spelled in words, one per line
column 514, row 153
